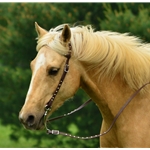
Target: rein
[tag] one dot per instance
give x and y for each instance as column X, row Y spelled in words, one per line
column 48, row 106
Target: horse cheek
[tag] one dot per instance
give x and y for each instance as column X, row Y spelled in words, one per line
column 73, row 83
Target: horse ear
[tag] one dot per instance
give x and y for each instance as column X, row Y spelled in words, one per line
column 40, row 31
column 66, row 34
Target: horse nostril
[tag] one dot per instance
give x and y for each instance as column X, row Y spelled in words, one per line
column 30, row 121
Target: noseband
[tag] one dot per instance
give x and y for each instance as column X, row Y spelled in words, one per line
column 48, row 106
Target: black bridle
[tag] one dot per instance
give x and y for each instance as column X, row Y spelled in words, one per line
column 49, row 105
column 65, row 71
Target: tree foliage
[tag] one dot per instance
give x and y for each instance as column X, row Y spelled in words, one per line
column 17, row 49
column 132, row 18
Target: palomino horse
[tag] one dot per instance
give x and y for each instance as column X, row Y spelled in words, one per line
column 109, row 66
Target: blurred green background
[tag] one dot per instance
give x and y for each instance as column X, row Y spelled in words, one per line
column 17, row 49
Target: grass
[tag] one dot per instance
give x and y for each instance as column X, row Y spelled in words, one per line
column 6, row 142
column 61, row 142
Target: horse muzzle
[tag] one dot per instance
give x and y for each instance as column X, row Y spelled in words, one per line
column 31, row 121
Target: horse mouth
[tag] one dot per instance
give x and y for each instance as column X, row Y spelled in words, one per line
column 40, row 125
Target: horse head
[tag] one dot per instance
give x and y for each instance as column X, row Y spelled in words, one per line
column 47, row 69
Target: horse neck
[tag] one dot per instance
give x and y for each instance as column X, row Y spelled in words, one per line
column 108, row 95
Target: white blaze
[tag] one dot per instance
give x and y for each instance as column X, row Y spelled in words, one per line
column 39, row 62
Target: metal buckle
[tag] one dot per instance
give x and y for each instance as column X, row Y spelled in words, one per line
column 55, row 132
column 66, row 69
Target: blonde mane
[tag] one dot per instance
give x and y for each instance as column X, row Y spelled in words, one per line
column 110, row 52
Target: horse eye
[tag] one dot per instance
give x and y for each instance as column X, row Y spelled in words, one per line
column 53, row 71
